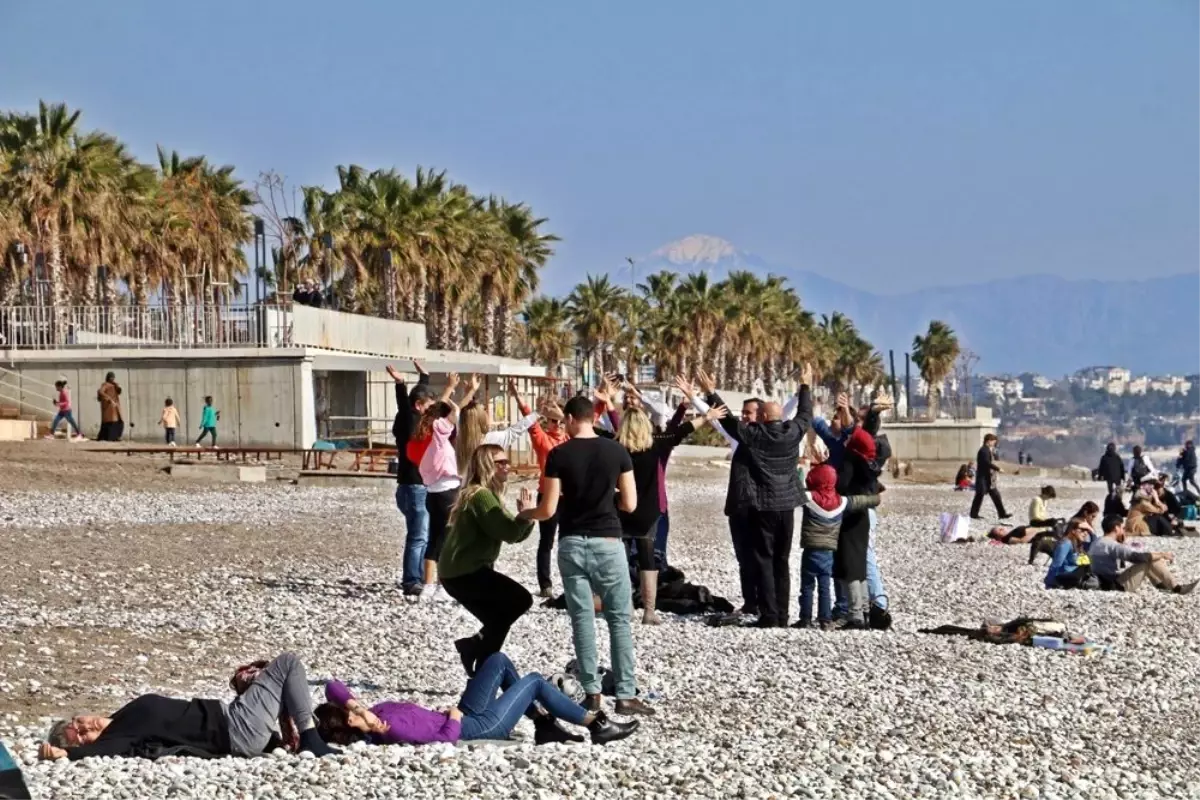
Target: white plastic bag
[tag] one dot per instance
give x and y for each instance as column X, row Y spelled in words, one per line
column 954, row 527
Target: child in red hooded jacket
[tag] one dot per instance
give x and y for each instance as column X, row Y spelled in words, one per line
column 819, row 532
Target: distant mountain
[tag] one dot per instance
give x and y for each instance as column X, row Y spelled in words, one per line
column 1032, row 323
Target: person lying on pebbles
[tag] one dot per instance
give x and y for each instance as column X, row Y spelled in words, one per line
column 152, row 726
column 481, row 713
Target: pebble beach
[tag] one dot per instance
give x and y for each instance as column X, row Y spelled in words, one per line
column 119, row 580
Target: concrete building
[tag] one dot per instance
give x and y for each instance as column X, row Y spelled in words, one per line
column 299, row 374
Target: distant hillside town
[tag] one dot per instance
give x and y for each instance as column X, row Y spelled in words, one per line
column 1069, row 420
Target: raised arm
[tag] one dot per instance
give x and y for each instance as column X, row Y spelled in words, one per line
column 451, row 385
column 685, row 386
column 734, row 428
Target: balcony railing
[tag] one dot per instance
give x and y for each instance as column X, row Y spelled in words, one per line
column 183, row 326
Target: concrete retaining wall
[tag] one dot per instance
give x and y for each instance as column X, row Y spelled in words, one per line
column 938, row 441
column 263, row 401
column 356, row 333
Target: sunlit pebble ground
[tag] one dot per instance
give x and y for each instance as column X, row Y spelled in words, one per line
column 168, row 588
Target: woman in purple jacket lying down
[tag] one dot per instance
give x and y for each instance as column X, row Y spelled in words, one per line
column 481, row 713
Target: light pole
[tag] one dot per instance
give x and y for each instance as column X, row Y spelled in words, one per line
column 259, row 262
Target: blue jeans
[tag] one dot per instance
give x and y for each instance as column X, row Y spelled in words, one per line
column 816, row 571
column 597, row 565
column 660, row 542
column 411, row 502
column 875, row 588
column 486, row 716
column 64, row 415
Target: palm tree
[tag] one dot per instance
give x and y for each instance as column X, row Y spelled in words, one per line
column 592, row 309
column 934, row 354
column 546, row 331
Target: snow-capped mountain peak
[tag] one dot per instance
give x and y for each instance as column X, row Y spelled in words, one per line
column 697, row 249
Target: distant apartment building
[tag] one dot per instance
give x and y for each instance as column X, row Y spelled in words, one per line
column 1120, row 381
column 1002, row 387
column 1170, row 384
column 1113, row 380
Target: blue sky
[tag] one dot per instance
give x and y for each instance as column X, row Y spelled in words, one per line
column 899, row 145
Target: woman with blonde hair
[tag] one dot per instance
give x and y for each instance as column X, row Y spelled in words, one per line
column 649, row 452
column 475, row 427
column 479, row 525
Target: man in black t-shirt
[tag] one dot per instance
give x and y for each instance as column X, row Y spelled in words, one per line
column 583, row 476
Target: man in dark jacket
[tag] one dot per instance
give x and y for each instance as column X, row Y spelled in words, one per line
column 986, row 470
column 410, row 489
column 763, row 481
column 1187, row 465
column 152, row 726
column 1112, row 469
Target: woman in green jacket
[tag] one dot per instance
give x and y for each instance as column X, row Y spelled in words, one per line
column 479, row 524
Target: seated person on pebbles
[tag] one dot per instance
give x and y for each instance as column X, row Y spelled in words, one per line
column 1109, row 554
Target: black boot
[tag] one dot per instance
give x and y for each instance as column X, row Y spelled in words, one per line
column 467, row 649
column 312, row 742
column 546, row 730
column 604, row 730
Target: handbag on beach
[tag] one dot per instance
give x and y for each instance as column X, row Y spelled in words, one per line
column 954, row 527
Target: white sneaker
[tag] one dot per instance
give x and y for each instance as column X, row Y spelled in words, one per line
column 442, row 596
column 428, row 592
column 172, row 444
column 79, row 438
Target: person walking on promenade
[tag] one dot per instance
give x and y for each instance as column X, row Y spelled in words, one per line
column 986, row 470
column 1187, row 466
column 112, row 424
column 764, row 481
column 169, row 420
column 208, row 422
column 1112, row 469
column 588, row 479
column 62, row 402
column 410, row 489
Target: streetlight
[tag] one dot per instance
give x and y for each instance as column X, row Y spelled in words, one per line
column 261, row 280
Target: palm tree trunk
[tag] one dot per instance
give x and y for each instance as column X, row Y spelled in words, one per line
column 487, row 304
column 420, row 299
column 503, row 327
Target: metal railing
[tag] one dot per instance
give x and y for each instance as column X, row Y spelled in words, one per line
column 179, row 326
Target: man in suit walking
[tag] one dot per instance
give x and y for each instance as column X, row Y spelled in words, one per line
column 986, row 469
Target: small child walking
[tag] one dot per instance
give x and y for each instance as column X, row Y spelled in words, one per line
column 819, row 537
column 208, row 422
column 63, row 402
column 169, row 420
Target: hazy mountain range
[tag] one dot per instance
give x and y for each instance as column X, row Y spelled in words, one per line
column 1032, row 323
